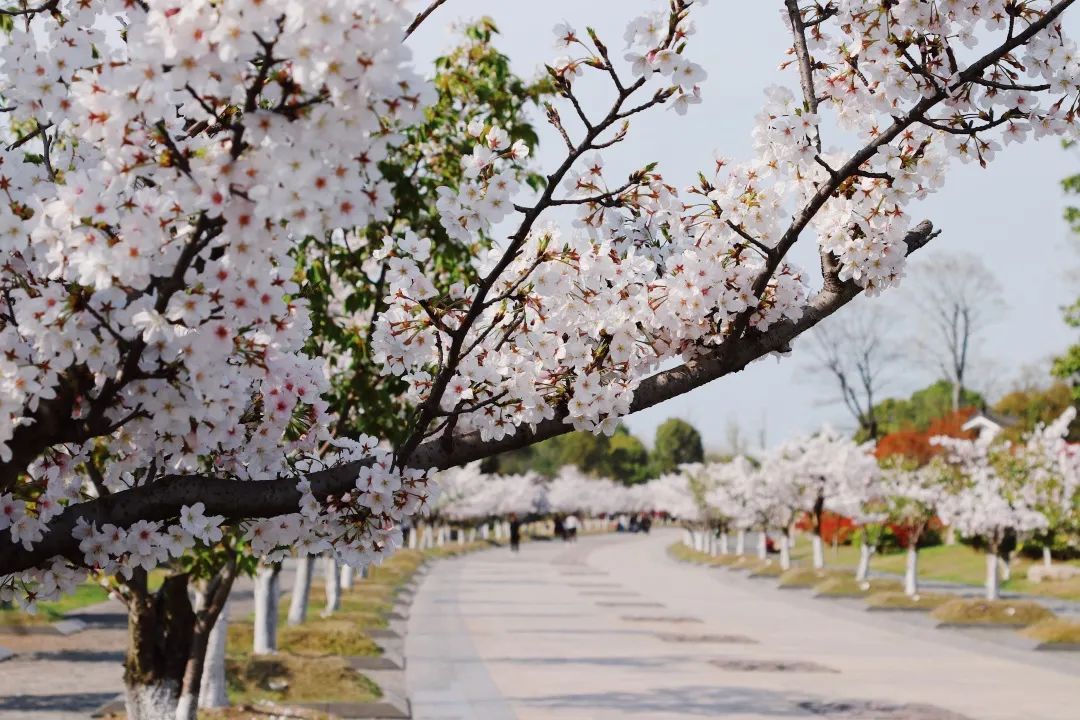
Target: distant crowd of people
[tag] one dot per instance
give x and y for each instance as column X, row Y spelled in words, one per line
column 641, row 522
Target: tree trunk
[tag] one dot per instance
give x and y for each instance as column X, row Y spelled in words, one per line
column 266, row 609
column 298, row 603
column 740, row 542
column 818, row 551
column 332, row 579
column 724, row 543
column 763, row 545
column 160, row 629
column 346, row 577
column 950, row 535
column 785, row 552
column 212, row 691
column 1048, row 558
column 992, row 583
column 211, row 598
column 911, row 570
column 1006, row 568
column 862, row 572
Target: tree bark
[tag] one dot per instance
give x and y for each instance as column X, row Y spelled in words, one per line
column 911, row 570
column 740, row 542
column 1047, row 556
column 763, row 545
column 862, row 572
column 160, row 629
column 724, row 543
column 213, row 690
column 785, row 551
column 298, row 603
column 267, row 597
column 818, row 551
column 210, row 601
column 332, row 585
column 346, row 577
column 993, row 591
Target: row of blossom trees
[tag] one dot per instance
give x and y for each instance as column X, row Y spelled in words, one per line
column 988, row 489
column 208, row 283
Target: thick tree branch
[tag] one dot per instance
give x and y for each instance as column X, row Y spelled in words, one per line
column 239, row 500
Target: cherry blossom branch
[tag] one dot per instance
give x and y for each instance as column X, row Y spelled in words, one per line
column 422, row 16
column 239, row 500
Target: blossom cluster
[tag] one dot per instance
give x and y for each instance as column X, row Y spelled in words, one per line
column 568, row 321
column 165, row 160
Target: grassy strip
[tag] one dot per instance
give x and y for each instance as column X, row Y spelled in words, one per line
column 900, row 601
column 310, row 665
column 808, row 577
column 89, row 593
column 848, row 586
column 1017, row 613
column 950, row 563
column 1054, row 630
column 685, row 553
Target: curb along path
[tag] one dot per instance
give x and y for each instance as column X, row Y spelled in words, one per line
column 611, row 627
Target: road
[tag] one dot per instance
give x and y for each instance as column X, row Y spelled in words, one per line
column 611, row 627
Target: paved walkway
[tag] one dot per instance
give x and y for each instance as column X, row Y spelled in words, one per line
column 611, row 627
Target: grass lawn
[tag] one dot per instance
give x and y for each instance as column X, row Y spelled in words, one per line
column 951, row 563
column 804, row 577
column 88, row 593
column 900, row 601
column 846, row 586
column 964, row 611
column 682, row 551
column 1054, row 630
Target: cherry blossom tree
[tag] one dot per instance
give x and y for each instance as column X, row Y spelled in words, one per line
column 911, row 501
column 166, row 161
column 1048, row 468
column 989, row 504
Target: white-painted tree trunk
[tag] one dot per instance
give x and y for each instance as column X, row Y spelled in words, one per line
column 346, row 577
column 414, row 531
column 724, row 543
column 950, row 535
column 911, row 571
column 460, row 536
column 298, row 603
column 484, row 531
column 740, row 542
column 688, row 538
column 785, row 554
column 266, row 609
column 992, row 582
column 862, row 572
column 332, row 585
column 212, row 687
column 762, row 546
column 1048, row 558
column 472, row 535
column 1006, row 569
column 818, row 551
column 156, row 701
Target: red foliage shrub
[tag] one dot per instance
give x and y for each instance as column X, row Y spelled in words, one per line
column 915, row 444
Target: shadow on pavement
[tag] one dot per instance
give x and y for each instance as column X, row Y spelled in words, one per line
column 66, row 702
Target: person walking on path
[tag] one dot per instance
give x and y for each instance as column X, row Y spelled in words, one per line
column 515, row 532
column 571, row 524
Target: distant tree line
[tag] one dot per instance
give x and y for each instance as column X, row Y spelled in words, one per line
column 622, row 456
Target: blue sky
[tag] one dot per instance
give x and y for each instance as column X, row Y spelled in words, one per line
column 1008, row 214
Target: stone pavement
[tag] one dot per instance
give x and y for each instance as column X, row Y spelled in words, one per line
column 53, row 677
column 57, row 677
column 611, row 627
